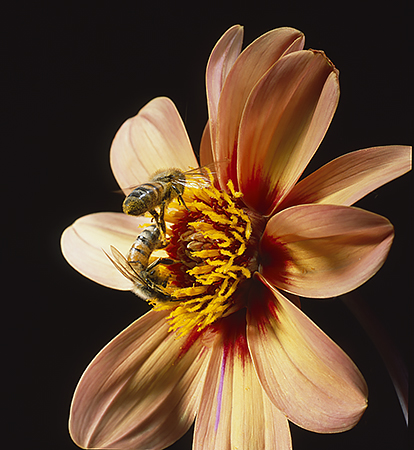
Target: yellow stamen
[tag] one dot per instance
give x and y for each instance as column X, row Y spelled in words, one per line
column 212, row 234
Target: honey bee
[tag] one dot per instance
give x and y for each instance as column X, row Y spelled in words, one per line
column 147, row 284
column 164, row 186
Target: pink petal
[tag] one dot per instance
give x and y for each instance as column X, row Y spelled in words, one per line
column 206, row 152
column 235, row 412
column 154, row 139
column 251, row 65
column 84, row 242
column 350, row 177
column 305, row 374
column 324, row 250
column 222, row 58
column 142, row 390
column 285, row 119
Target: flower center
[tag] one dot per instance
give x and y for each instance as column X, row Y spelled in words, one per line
column 210, row 247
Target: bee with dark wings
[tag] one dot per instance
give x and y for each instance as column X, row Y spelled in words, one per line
column 147, row 284
column 163, row 187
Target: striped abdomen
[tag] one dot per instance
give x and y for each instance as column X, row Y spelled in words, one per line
column 144, row 198
column 142, row 248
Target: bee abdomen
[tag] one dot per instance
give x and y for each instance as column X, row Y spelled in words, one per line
column 141, row 250
column 144, row 198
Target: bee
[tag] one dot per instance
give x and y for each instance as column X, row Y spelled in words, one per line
column 163, row 187
column 147, row 284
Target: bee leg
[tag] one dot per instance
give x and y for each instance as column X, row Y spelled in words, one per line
column 181, row 200
column 156, row 216
column 159, row 220
column 150, row 273
column 154, row 285
column 165, row 261
column 161, row 224
column 180, row 197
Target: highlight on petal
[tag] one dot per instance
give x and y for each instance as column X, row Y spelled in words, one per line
column 347, row 179
column 286, row 118
column 155, row 138
column 83, row 244
column 324, row 250
column 249, row 68
column 304, row 373
column 235, row 412
column 142, row 390
column 222, row 58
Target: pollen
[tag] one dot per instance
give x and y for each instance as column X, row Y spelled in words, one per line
column 208, row 244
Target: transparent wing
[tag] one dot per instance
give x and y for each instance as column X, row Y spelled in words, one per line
column 203, row 177
column 121, row 263
column 143, row 287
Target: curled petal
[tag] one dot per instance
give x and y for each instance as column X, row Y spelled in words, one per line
column 84, row 242
column 285, row 119
column 235, row 412
column 153, row 139
column 304, row 373
column 222, row 58
column 250, row 66
column 324, row 250
column 347, row 179
column 141, row 391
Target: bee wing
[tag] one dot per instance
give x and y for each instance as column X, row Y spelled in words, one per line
column 203, row 177
column 121, row 263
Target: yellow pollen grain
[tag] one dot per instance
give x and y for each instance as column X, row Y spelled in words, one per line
column 215, row 262
column 210, row 278
column 200, row 270
column 205, row 253
column 200, row 226
column 189, row 291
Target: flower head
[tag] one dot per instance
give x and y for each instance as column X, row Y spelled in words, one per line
column 223, row 344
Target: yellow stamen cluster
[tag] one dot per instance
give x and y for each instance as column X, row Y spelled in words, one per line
column 209, row 237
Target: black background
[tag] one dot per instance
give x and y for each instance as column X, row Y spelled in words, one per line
column 73, row 73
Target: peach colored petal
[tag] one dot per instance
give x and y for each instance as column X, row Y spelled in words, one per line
column 304, row 373
column 142, row 390
column 252, row 64
column 285, row 119
column 154, row 139
column 350, row 177
column 324, row 250
column 206, row 152
column 84, row 242
column 235, row 412
column 222, row 58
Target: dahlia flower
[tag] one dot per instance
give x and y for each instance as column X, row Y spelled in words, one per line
column 230, row 347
